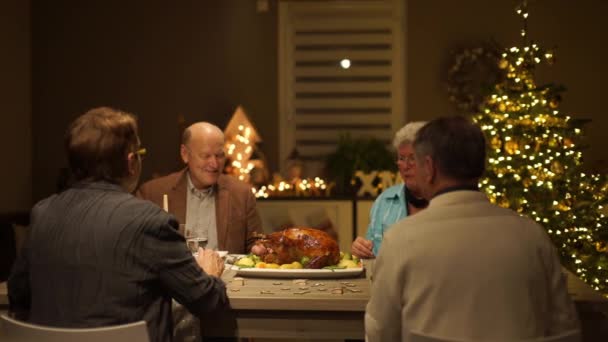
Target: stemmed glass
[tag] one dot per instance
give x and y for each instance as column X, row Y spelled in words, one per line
column 194, row 240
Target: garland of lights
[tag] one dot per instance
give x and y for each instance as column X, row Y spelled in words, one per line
column 298, row 188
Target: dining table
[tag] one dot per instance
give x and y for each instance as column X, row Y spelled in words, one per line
column 282, row 308
column 288, row 308
column 321, row 308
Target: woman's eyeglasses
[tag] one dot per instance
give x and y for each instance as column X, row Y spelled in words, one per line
column 407, row 160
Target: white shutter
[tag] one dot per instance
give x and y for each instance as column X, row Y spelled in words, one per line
column 318, row 99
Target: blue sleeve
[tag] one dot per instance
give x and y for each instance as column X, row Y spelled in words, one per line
column 375, row 223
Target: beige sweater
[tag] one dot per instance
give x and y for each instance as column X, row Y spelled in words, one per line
column 466, row 269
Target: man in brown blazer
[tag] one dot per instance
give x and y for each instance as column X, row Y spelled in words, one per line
column 204, row 200
column 465, row 269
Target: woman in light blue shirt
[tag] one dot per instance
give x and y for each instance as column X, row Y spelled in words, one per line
column 396, row 202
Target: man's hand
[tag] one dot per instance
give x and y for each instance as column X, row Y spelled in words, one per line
column 258, row 250
column 210, row 262
column 362, row 248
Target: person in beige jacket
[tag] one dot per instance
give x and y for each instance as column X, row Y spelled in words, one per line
column 464, row 268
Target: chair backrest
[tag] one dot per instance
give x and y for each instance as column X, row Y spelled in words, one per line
column 418, row 337
column 17, row 331
column 570, row 336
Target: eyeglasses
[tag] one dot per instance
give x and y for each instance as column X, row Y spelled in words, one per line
column 407, row 160
column 206, row 156
column 141, row 152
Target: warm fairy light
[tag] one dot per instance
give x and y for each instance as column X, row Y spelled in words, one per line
column 239, row 148
column 316, row 187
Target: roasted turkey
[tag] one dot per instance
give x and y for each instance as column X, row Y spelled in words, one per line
column 291, row 244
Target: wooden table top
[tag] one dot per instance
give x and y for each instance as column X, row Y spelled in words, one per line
column 286, row 294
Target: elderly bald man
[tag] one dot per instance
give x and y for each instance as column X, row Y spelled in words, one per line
column 209, row 203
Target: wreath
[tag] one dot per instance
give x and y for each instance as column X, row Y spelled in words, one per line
column 473, row 74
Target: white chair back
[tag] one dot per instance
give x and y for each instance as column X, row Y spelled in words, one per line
column 570, row 336
column 418, row 337
column 17, row 331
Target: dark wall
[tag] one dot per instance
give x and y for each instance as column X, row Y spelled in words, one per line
column 15, row 99
column 200, row 59
column 162, row 61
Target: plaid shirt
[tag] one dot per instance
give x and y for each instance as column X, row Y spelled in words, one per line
column 388, row 208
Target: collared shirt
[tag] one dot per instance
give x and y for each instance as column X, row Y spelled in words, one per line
column 200, row 214
column 470, row 187
column 388, row 208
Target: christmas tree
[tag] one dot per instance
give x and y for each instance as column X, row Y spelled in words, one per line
column 535, row 163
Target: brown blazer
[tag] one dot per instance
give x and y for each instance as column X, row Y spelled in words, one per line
column 235, row 207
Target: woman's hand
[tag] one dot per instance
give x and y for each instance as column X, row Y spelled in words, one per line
column 362, row 248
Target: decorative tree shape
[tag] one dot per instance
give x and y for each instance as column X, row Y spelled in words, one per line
column 241, row 138
column 535, row 163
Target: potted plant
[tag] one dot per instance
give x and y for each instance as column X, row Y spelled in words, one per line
column 365, row 154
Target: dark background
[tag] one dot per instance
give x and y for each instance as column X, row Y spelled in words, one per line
column 173, row 62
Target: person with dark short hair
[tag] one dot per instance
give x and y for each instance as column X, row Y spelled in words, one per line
column 98, row 256
column 465, row 269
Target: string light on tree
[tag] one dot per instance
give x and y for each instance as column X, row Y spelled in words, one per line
column 241, row 138
column 534, row 162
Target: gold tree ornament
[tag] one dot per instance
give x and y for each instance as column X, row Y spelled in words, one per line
column 601, row 247
column 553, row 104
column 553, row 143
column 503, row 63
column 526, row 122
column 503, row 202
column 496, row 143
column 511, row 147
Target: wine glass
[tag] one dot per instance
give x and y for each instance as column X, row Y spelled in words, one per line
column 194, row 240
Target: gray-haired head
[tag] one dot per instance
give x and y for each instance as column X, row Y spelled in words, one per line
column 407, row 133
column 456, row 145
